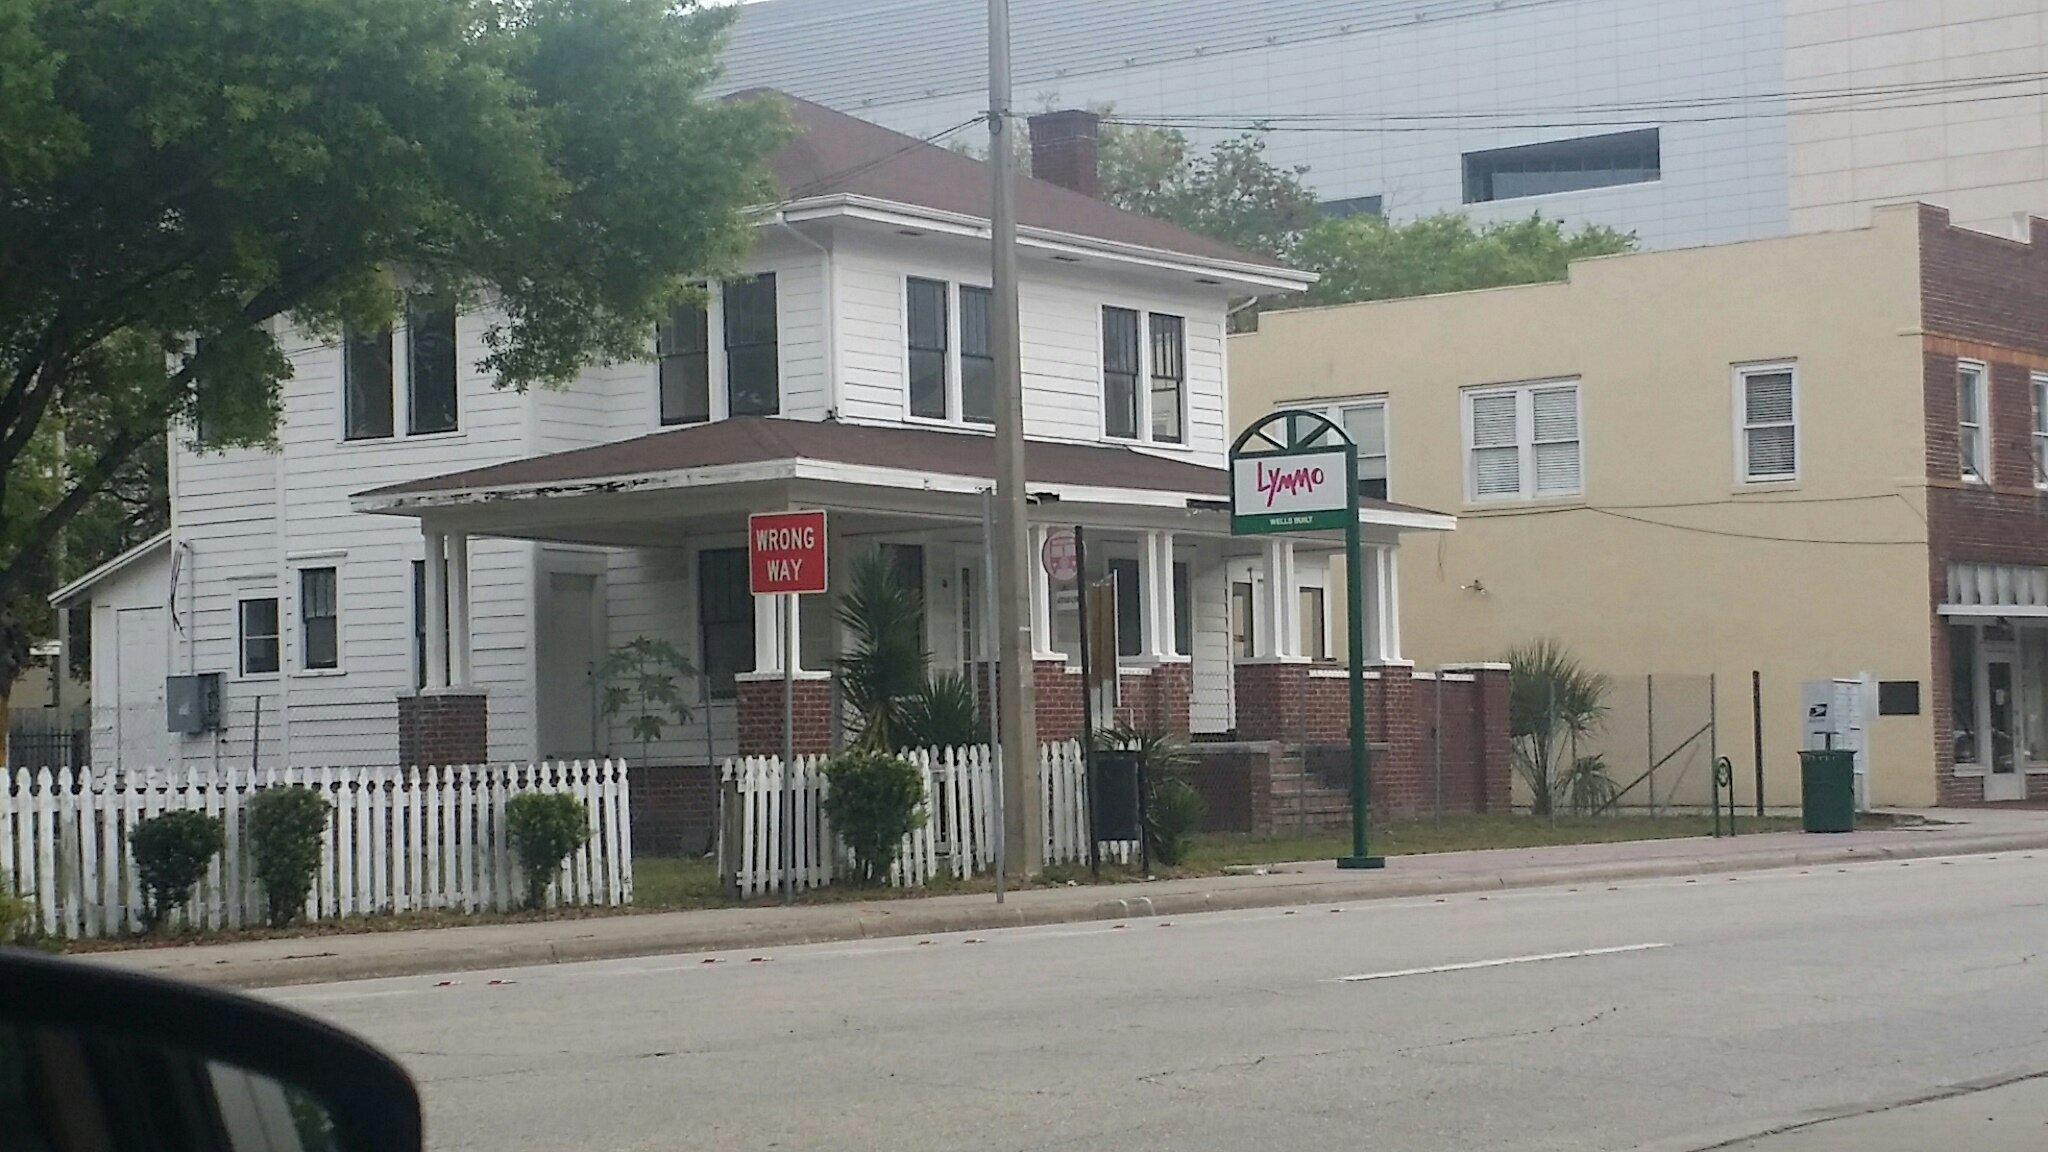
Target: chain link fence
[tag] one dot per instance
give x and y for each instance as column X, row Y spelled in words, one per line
column 1640, row 743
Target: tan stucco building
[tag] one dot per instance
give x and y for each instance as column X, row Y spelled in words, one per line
column 1726, row 460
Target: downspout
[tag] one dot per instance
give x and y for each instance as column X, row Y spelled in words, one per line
column 831, row 333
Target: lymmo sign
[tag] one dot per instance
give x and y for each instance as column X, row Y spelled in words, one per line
column 1299, row 491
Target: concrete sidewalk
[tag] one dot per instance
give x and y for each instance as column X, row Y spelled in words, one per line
column 314, row 959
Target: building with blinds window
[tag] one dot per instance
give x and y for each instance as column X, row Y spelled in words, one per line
column 1818, row 457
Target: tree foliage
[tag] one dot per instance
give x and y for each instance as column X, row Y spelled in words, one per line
column 189, row 189
column 887, row 666
column 643, row 679
column 172, row 850
column 1368, row 258
column 285, row 827
column 1231, row 192
column 873, row 799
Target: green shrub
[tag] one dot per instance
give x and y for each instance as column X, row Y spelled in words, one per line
column 873, row 800
column 545, row 827
column 285, row 828
column 14, row 912
column 1172, row 818
column 171, row 853
column 945, row 713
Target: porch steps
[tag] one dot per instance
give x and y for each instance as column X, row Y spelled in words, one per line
column 1303, row 799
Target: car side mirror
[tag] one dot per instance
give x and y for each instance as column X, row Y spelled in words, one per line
column 94, row 1059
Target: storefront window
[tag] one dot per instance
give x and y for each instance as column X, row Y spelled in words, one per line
column 1962, row 691
column 2034, row 693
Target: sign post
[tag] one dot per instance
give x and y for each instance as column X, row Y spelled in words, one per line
column 1298, row 472
column 786, row 559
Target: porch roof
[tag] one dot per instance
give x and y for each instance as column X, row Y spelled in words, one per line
column 753, row 448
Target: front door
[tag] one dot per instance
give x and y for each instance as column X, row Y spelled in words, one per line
column 2005, row 779
column 568, row 657
column 138, row 682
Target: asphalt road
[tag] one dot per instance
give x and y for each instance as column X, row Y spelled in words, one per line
column 1855, row 1007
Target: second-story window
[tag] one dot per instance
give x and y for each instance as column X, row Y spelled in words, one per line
column 683, row 346
column 257, row 629
column 1120, row 370
column 1971, row 442
column 1366, row 424
column 430, row 376
column 927, row 338
column 1522, row 443
column 2040, row 430
column 977, row 357
column 1770, row 431
column 319, row 619
column 1169, row 378
column 752, row 374
column 366, row 410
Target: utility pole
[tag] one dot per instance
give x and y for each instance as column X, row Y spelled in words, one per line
column 1023, row 820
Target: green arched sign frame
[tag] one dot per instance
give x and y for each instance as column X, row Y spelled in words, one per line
column 1293, row 441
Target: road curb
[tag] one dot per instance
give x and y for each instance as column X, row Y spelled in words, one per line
column 676, row 934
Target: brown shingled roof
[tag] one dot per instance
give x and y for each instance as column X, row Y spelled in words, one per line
column 754, row 439
column 837, row 154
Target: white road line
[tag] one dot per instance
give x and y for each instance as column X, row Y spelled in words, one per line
column 1363, row 976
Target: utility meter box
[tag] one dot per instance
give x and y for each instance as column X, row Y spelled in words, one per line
column 192, row 703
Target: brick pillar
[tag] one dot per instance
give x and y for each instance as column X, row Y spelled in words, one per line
column 1493, row 742
column 1399, row 772
column 760, row 709
column 1170, row 691
column 1270, row 697
column 443, row 727
column 1059, row 701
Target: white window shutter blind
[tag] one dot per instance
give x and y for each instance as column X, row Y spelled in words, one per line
column 1769, row 396
column 1556, row 419
column 1496, row 436
column 1770, row 438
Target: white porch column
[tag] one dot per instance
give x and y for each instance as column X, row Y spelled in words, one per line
column 436, row 608
column 1155, row 579
column 1041, row 599
column 769, row 643
column 1390, row 606
column 459, row 675
column 1281, row 637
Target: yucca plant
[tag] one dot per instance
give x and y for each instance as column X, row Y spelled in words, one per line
column 945, row 713
column 1553, row 702
column 886, row 668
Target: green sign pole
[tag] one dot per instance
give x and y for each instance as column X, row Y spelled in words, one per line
column 1304, row 435
column 1354, row 635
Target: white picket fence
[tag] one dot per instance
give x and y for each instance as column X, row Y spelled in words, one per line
column 397, row 840
column 956, row 839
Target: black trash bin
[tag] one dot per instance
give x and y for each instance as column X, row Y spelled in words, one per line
column 1827, row 790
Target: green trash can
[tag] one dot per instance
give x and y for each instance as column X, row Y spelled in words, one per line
column 1827, row 790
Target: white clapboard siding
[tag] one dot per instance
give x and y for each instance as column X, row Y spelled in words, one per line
column 956, row 837
column 397, row 840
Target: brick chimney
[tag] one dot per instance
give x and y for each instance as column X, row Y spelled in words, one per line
column 1063, row 149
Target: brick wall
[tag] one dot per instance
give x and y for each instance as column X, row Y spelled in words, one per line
column 443, row 728
column 675, row 808
column 1157, row 699
column 1983, row 298
column 1236, row 785
column 760, row 716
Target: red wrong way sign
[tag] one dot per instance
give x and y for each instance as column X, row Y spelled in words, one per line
column 786, row 552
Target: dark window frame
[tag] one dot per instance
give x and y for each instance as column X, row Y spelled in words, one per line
column 1632, row 157
column 368, row 409
column 244, row 635
column 1183, row 608
column 431, row 355
column 1122, row 365
column 1130, row 606
column 927, row 342
column 752, row 337
column 977, row 355
column 725, row 620
column 682, row 352
column 1168, row 338
column 319, row 634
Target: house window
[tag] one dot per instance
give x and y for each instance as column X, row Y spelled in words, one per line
column 725, row 618
column 430, row 377
column 1563, row 166
column 1183, row 609
column 682, row 348
column 2040, row 431
column 1962, row 692
column 1243, row 638
column 1366, row 424
column 1120, row 372
column 1130, row 636
column 419, row 621
column 1769, row 440
column 977, row 357
column 319, row 619
column 752, row 380
column 1970, row 421
column 1313, row 631
column 927, row 335
column 256, row 623
column 366, row 384
column 1169, row 377
column 1522, row 443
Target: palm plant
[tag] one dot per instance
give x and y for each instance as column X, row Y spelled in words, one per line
column 886, row 668
column 1553, row 702
column 944, row 713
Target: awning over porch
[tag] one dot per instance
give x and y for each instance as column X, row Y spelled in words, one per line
column 758, row 450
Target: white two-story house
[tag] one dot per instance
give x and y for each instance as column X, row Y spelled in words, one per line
column 428, row 567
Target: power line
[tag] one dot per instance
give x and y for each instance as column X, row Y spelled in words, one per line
column 1617, row 512
column 830, row 178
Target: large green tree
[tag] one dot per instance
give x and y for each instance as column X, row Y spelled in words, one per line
column 1367, row 258
column 183, row 182
column 1231, row 192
